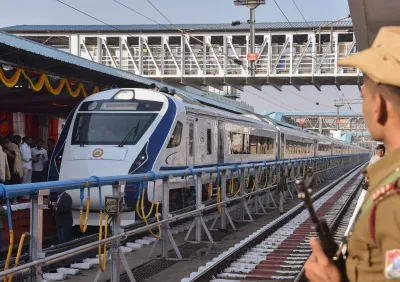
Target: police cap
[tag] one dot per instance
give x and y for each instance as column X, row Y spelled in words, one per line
column 381, row 62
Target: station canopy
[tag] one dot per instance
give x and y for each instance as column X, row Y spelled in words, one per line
column 39, row 79
column 43, row 80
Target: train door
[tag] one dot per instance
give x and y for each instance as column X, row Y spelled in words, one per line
column 283, row 142
column 191, row 146
column 220, row 158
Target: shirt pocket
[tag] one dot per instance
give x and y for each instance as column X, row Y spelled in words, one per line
column 352, row 269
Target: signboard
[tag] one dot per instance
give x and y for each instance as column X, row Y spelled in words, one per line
column 252, row 56
column 248, row 2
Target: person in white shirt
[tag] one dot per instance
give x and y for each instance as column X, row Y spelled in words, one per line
column 27, row 159
column 38, row 166
column 380, row 152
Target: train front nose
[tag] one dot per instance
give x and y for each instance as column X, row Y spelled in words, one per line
column 90, row 161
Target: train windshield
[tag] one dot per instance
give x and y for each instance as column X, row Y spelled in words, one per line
column 110, row 129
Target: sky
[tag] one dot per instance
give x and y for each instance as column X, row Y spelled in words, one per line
column 45, row 12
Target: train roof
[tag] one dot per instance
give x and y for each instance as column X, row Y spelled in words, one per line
column 200, row 108
column 295, row 132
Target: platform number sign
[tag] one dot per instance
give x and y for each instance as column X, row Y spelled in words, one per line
column 252, row 56
column 113, row 205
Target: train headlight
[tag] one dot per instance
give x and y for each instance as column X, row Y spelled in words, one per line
column 125, row 95
column 140, row 160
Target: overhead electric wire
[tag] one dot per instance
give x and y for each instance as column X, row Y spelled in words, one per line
column 345, row 100
column 300, row 13
column 298, row 9
column 163, row 15
column 96, row 19
column 186, row 33
column 176, row 27
column 305, row 98
column 140, row 14
column 86, row 14
column 281, row 101
column 306, row 46
column 272, row 102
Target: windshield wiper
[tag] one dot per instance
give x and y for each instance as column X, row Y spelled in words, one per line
column 132, row 131
column 80, row 131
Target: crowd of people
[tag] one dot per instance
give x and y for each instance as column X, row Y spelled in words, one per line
column 22, row 160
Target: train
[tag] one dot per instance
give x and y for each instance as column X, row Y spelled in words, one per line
column 128, row 131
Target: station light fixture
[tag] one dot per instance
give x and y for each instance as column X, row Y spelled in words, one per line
column 235, row 23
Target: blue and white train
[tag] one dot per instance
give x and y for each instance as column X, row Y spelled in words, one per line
column 126, row 131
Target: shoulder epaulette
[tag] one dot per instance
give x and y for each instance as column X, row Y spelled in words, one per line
column 379, row 195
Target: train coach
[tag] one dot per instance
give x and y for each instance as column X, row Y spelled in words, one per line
column 127, row 131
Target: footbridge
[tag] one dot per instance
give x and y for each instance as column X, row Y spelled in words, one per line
column 209, row 55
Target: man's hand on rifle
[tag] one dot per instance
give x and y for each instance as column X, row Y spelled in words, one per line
column 318, row 267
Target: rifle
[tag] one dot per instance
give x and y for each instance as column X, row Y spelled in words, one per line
column 329, row 246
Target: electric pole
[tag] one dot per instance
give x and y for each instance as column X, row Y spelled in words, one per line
column 338, row 104
column 252, row 5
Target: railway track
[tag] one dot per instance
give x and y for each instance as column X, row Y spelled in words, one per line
column 278, row 251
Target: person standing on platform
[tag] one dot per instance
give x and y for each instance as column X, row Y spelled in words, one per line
column 50, row 148
column 27, row 159
column 38, row 166
column 17, row 140
column 63, row 215
column 282, row 189
column 380, row 152
column 154, row 87
column 14, row 160
column 374, row 241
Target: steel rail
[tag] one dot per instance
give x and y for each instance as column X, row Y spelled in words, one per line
column 340, row 215
column 206, row 271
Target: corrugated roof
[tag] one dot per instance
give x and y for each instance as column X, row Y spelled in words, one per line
column 53, row 53
column 168, row 27
column 22, row 44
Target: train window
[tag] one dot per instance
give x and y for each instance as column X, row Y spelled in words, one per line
column 245, row 143
column 253, row 145
column 209, row 141
column 191, row 139
column 110, row 129
column 266, row 145
column 271, row 145
column 176, row 136
column 235, row 143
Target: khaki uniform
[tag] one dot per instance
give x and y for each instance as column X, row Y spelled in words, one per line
column 377, row 229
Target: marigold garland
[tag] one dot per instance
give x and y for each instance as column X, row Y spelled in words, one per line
column 44, row 80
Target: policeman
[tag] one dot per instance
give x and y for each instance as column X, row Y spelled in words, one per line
column 374, row 244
